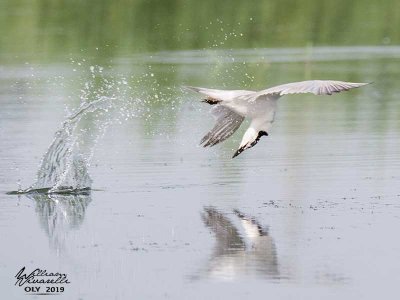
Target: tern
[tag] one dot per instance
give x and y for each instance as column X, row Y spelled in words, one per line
column 243, row 246
column 231, row 107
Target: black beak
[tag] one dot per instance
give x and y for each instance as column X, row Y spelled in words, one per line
column 241, row 149
column 238, row 151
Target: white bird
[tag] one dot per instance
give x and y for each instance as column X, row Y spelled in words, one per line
column 233, row 106
column 243, row 247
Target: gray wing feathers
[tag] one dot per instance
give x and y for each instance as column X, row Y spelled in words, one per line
column 227, row 122
column 223, row 95
column 316, row 87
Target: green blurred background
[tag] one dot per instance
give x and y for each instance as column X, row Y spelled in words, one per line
column 43, row 30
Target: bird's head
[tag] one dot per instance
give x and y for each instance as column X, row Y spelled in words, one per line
column 250, row 139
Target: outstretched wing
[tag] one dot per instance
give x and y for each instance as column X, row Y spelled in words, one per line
column 227, row 122
column 316, row 87
column 223, row 95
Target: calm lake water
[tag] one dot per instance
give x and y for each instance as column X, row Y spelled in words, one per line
column 311, row 212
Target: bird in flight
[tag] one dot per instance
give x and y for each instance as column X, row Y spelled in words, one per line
column 231, row 107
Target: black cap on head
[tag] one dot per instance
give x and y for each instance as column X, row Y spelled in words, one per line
column 262, row 133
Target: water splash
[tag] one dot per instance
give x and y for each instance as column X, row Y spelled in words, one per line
column 64, row 167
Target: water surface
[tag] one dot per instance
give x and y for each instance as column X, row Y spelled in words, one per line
column 312, row 210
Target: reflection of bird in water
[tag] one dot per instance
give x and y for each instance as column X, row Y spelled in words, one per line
column 58, row 214
column 244, row 249
column 232, row 107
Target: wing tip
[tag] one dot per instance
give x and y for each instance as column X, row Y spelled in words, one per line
column 190, row 88
column 360, row 84
column 357, row 85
